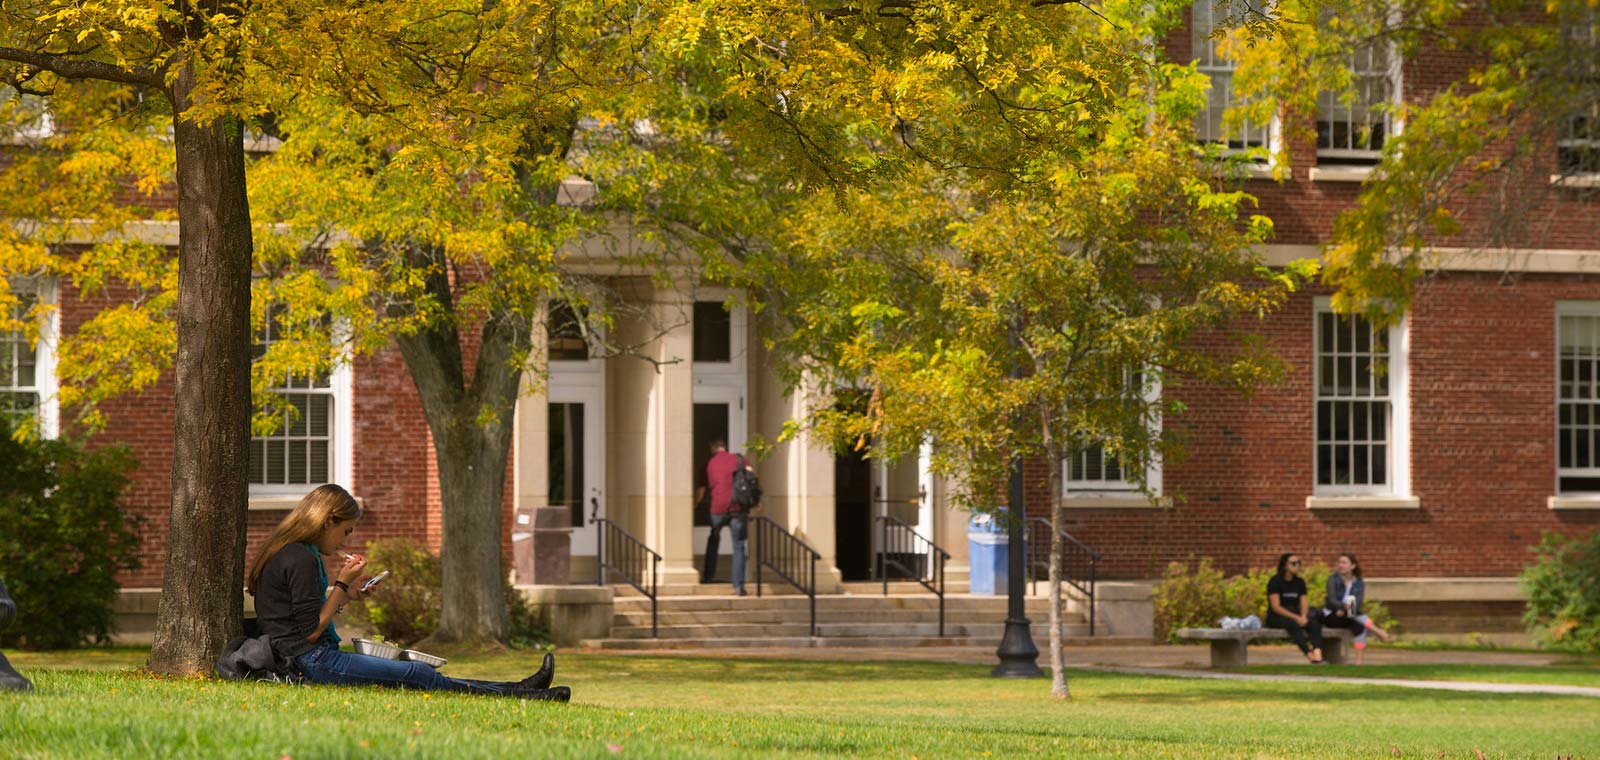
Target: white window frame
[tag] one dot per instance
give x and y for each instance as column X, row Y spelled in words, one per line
column 45, row 385
column 1564, row 310
column 39, row 129
column 733, row 371
column 1566, row 140
column 1084, row 489
column 341, row 434
column 1398, row 448
column 1211, row 63
column 1333, row 103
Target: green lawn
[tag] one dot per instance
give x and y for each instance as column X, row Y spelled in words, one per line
column 691, row 707
column 1578, row 672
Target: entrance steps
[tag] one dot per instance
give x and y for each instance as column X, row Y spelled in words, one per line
column 708, row 617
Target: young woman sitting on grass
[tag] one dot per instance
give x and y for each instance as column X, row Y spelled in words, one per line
column 1347, row 595
column 1288, row 608
column 296, row 609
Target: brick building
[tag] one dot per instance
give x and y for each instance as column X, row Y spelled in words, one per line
column 1484, row 433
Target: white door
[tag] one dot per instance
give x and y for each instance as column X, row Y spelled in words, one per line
column 576, row 451
column 718, row 413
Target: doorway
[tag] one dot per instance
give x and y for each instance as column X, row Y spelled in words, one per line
column 852, row 514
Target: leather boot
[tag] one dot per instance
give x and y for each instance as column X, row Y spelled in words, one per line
column 542, row 677
column 556, row 694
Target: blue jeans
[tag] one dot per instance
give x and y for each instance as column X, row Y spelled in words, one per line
column 738, row 527
column 326, row 664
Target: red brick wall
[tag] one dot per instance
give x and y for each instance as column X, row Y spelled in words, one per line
column 1482, row 396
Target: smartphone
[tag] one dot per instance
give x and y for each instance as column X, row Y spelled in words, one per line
column 373, row 581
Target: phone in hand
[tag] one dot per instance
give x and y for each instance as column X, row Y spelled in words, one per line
column 373, row 581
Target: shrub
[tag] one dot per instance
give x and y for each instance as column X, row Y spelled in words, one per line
column 63, row 539
column 405, row 608
column 1199, row 599
column 1563, row 588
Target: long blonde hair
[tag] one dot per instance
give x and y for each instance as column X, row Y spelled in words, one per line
column 326, row 503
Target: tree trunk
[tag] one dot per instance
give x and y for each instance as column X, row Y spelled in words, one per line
column 202, row 587
column 472, row 463
column 1058, row 625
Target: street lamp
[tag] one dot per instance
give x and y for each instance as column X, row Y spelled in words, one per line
column 1018, row 654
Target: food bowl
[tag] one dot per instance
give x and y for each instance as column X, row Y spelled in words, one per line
column 381, row 649
column 433, row 661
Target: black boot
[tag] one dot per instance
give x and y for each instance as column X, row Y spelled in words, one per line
column 11, row 679
column 555, row 694
column 542, row 677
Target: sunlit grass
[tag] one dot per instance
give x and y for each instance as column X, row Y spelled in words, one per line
column 696, row 707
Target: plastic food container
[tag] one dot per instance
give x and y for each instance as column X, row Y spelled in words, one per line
column 377, row 649
column 424, row 658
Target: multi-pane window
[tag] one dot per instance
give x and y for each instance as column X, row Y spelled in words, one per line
column 1091, row 468
column 1355, row 409
column 1353, row 125
column 713, row 332
column 1578, row 147
column 300, row 452
column 19, row 364
column 1209, row 126
column 1578, row 400
column 564, row 335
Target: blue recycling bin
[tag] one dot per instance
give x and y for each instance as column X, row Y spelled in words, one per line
column 988, row 542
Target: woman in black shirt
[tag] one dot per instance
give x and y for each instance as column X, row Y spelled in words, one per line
column 295, row 608
column 1289, row 609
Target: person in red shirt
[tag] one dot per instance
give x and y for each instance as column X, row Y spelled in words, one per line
column 724, row 513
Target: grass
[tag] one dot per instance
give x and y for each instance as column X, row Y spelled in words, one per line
column 1575, row 672
column 87, row 705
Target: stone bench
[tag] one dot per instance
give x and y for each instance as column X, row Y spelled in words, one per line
column 1228, row 647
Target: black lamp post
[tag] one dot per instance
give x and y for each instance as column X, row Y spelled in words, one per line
column 1018, row 654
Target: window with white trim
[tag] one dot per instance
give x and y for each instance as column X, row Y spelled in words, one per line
column 1210, row 127
column 1353, row 125
column 1362, row 433
column 1578, row 398
column 27, row 362
column 1090, row 469
column 310, row 445
column 1578, row 147
column 28, row 119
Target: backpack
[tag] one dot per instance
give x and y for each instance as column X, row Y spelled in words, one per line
column 746, row 487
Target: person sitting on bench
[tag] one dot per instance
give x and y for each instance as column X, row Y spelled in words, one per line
column 295, row 609
column 1344, row 608
column 1289, row 609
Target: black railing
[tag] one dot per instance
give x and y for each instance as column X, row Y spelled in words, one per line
column 901, row 548
column 630, row 559
column 1079, row 563
column 781, row 552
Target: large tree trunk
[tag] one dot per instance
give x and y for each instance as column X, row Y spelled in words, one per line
column 202, row 589
column 471, row 453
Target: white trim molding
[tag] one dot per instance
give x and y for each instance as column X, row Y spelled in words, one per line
column 1108, row 501
column 1588, row 501
column 1395, row 490
column 1363, row 502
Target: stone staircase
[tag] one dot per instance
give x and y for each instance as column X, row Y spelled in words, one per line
column 707, row 616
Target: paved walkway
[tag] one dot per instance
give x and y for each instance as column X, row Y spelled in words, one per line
column 1186, row 662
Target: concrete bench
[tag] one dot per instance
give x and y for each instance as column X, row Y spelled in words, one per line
column 1228, row 648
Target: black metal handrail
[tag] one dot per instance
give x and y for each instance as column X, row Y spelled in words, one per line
column 630, row 558
column 899, row 541
column 792, row 559
column 1079, row 563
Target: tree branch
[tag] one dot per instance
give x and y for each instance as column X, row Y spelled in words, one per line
column 70, row 68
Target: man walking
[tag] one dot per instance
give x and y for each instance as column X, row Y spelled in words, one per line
column 9, row 678
column 725, row 513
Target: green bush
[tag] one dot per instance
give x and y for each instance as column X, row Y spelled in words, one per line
column 1563, row 588
column 405, row 607
column 63, row 539
column 1201, row 598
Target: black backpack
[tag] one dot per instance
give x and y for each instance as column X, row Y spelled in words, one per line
column 746, row 487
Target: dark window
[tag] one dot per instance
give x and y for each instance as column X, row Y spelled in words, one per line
column 1353, row 403
column 1578, row 404
column 710, row 424
column 19, row 392
column 713, row 332
column 565, row 334
column 566, row 460
column 300, row 451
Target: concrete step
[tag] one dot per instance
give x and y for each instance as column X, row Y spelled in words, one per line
column 799, row 628
column 952, row 602
column 760, row 616
column 809, row 642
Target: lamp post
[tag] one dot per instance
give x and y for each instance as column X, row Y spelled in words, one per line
column 1018, row 654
